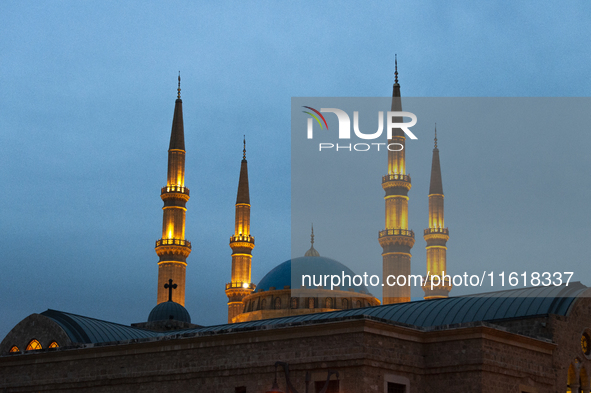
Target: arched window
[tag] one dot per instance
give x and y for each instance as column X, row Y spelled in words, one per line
column 310, row 302
column 34, row 345
column 344, row 304
column 53, row 344
column 571, row 377
column 328, row 302
column 263, row 304
column 14, row 349
column 358, row 303
column 277, row 303
column 583, row 379
column 294, row 302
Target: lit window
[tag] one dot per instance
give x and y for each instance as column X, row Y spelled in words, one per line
column 14, row 349
column 294, row 302
column 311, row 302
column 328, row 302
column 54, row 345
column 34, row 345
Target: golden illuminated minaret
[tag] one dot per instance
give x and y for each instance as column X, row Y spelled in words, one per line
column 436, row 236
column 396, row 240
column 242, row 244
column 172, row 248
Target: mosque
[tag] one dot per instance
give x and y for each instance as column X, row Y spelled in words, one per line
column 342, row 340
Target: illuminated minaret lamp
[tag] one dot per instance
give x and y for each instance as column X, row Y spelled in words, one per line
column 241, row 244
column 396, row 239
column 173, row 249
column 436, row 285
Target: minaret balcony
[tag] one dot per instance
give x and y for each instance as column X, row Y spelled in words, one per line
column 397, row 232
column 431, row 231
column 174, row 190
column 395, row 181
column 173, row 242
column 241, row 285
column 396, row 237
column 396, row 177
column 242, row 239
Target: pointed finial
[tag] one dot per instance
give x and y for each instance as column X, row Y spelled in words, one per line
column 312, row 252
column 244, row 149
column 436, row 135
column 395, row 68
column 178, row 95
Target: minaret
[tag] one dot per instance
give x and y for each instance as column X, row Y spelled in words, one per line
column 436, row 235
column 172, row 248
column 241, row 244
column 396, row 240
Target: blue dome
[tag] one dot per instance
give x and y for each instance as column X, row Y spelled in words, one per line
column 280, row 276
column 169, row 310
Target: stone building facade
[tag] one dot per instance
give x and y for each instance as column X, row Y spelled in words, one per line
column 533, row 346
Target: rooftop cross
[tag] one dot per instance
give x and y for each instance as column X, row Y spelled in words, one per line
column 170, row 286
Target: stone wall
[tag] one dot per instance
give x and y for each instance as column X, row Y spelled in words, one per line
column 473, row 358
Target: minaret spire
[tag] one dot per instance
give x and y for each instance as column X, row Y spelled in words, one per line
column 436, row 185
column 173, row 249
column 436, row 235
column 396, row 239
column 241, row 244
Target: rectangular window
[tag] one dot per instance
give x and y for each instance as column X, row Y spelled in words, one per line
column 333, row 386
column 396, row 388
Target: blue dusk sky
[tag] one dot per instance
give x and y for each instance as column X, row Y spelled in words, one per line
column 87, row 93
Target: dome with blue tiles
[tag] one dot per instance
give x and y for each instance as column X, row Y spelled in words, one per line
column 310, row 264
column 280, row 277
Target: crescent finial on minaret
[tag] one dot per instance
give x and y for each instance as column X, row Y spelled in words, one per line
column 178, row 94
column 436, row 135
column 312, row 251
column 244, row 148
column 395, row 69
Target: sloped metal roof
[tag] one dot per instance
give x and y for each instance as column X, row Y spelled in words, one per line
column 491, row 306
column 91, row 331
